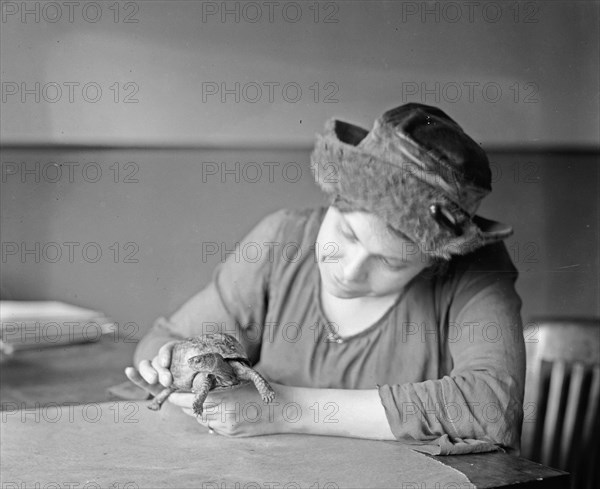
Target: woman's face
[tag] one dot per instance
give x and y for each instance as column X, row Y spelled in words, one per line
column 358, row 257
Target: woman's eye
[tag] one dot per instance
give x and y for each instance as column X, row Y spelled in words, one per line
column 389, row 265
column 348, row 236
column 385, row 262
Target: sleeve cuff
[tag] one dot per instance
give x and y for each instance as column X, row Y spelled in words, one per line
column 443, row 445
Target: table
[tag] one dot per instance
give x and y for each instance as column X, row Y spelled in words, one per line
column 58, row 430
column 64, row 374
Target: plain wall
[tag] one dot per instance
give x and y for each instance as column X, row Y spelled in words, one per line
column 533, row 68
column 178, row 207
column 542, row 57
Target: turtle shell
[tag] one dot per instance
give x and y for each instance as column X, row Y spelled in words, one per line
column 223, row 344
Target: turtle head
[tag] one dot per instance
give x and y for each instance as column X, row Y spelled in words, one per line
column 211, row 363
column 214, row 364
column 206, row 363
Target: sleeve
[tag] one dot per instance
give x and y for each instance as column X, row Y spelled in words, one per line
column 236, row 299
column 479, row 405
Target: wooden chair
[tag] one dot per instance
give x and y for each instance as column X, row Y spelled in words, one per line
column 561, row 427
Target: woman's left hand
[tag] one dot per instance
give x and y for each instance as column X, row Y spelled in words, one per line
column 239, row 411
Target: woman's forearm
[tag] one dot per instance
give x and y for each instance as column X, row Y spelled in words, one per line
column 335, row 412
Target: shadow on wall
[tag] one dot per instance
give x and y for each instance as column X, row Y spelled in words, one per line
column 134, row 233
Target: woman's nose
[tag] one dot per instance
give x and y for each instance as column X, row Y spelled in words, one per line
column 353, row 265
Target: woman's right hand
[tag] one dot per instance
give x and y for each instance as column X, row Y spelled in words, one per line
column 153, row 375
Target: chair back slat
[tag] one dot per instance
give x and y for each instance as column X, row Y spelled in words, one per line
column 574, row 414
column 563, row 388
column 585, row 463
column 591, row 417
column 532, row 444
column 559, row 385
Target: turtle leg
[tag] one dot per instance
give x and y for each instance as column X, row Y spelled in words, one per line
column 246, row 373
column 203, row 383
column 160, row 398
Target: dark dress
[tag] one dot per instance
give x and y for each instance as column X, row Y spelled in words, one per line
column 448, row 357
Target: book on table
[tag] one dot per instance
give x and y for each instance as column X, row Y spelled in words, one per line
column 39, row 324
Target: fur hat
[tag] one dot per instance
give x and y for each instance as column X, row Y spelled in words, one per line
column 418, row 171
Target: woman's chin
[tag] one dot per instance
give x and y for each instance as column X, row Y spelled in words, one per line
column 340, row 292
column 343, row 294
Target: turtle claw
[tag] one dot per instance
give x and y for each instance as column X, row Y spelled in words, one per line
column 268, row 396
column 159, row 399
column 198, row 408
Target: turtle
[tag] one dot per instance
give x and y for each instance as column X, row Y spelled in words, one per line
column 210, row 361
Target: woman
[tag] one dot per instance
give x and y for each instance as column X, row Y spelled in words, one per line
column 391, row 314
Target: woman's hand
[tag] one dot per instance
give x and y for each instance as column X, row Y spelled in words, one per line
column 240, row 411
column 154, row 375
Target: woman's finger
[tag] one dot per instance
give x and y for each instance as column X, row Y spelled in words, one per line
column 203, row 421
column 185, row 401
column 148, row 372
column 135, row 377
column 164, row 354
column 164, row 375
column 190, row 412
column 208, row 422
column 182, row 399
